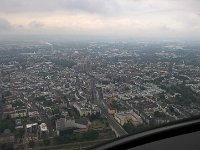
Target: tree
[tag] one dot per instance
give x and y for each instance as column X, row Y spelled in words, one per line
column 46, row 142
column 7, row 124
column 19, row 133
column 40, row 98
column 95, row 116
column 8, row 146
column 159, row 114
column 129, row 127
column 31, row 143
column 64, row 63
column 162, row 96
column 18, row 103
column 91, row 134
column 59, row 140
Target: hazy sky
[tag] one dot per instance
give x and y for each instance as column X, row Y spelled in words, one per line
column 120, row 18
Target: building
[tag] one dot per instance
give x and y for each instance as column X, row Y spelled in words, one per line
column 78, row 125
column 32, row 131
column 33, row 113
column 86, row 109
column 111, row 110
column 83, row 111
column 19, row 113
column 124, row 117
column 32, row 127
column 43, row 130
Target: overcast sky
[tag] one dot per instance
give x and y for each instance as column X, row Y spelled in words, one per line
column 120, row 18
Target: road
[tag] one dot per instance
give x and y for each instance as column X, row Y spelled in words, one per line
column 116, row 127
column 119, row 131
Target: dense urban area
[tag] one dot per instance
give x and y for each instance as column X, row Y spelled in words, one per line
column 80, row 94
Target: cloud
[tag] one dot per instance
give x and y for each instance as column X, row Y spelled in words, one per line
column 90, row 6
column 108, row 7
column 102, row 17
column 35, row 24
column 5, row 25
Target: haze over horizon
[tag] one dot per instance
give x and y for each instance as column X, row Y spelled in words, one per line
column 163, row 19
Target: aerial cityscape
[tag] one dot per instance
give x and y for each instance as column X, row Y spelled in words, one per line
column 80, row 94
column 86, row 74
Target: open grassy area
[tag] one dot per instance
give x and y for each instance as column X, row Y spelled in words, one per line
column 99, row 124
